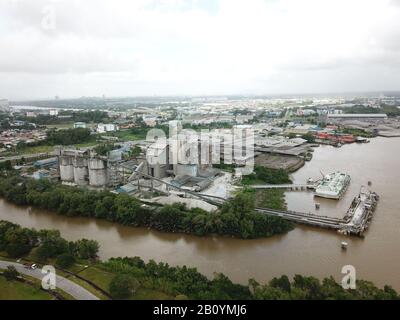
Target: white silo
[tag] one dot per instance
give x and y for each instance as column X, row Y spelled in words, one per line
column 66, row 169
column 97, row 172
column 81, row 172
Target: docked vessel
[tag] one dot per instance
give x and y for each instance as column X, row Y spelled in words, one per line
column 333, row 186
column 359, row 215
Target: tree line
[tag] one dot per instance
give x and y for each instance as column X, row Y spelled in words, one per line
column 68, row 137
column 188, row 283
column 131, row 274
column 82, row 116
column 237, row 218
column 18, row 242
column 266, row 175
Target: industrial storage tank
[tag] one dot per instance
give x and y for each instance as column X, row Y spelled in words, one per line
column 97, row 173
column 81, row 171
column 66, row 169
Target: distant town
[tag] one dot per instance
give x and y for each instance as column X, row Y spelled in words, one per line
column 197, row 166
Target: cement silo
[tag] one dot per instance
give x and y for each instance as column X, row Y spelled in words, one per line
column 81, row 172
column 66, row 169
column 97, row 172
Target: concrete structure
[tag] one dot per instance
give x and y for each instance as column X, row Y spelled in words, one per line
column 81, row 173
column 158, row 160
column 83, row 167
column 98, row 176
column 66, row 169
column 110, row 127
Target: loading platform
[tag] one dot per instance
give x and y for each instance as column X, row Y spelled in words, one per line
column 355, row 222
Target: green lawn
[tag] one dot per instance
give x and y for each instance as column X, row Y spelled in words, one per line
column 98, row 276
column 38, row 149
column 86, row 144
column 127, row 135
column 13, row 290
column 61, row 126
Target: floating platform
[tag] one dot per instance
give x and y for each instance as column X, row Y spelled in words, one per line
column 359, row 216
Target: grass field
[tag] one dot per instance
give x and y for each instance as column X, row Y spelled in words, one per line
column 12, row 290
column 102, row 278
column 127, row 135
column 61, row 126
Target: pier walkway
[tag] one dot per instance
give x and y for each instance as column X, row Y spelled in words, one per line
column 298, row 187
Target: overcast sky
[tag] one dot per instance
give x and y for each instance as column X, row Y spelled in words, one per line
column 74, row 48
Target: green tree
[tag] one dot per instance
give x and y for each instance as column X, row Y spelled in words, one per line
column 86, row 249
column 123, row 287
column 65, row 260
column 51, row 246
column 11, row 273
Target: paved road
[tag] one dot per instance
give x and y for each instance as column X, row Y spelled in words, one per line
column 62, row 283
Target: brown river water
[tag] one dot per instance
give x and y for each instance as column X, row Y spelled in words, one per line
column 305, row 250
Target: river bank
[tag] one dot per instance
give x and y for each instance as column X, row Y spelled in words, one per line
column 304, row 250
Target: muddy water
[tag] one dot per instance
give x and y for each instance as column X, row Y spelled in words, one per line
column 305, row 250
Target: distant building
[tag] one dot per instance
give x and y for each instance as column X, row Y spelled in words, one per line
column 104, row 128
column 79, row 125
column 31, row 114
column 53, row 112
column 305, row 112
column 46, row 163
column 41, row 174
column 150, row 121
column 240, row 119
column 300, row 130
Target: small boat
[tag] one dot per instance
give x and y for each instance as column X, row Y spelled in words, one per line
column 344, row 245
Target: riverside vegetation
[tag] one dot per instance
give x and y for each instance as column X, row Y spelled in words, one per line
column 132, row 278
column 237, row 218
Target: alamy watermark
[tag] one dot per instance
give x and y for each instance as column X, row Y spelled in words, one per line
column 49, row 280
column 206, row 147
column 349, row 281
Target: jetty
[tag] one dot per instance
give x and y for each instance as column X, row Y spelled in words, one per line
column 355, row 222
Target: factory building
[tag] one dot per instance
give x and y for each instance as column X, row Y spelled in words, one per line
column 79, row 125
column 186, row 153
column 84, row 168
column 104, row 128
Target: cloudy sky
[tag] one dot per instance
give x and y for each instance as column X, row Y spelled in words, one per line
column 74, row 48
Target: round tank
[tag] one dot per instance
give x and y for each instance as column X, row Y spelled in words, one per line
column 66, row 169
column 97, row 173
column 81, row 171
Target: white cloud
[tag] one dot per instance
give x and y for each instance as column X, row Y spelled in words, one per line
column 144, row 47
